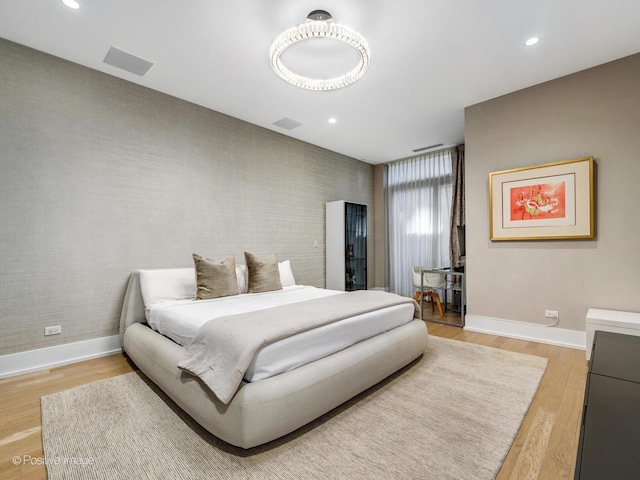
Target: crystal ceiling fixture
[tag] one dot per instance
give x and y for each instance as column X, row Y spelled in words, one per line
column 320, row 24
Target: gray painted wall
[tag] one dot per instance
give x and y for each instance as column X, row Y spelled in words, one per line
column 596, row 113
column 101, row 177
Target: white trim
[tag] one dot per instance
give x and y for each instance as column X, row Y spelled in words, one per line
column 527, row 331
column 614, row 318
column 43, row 358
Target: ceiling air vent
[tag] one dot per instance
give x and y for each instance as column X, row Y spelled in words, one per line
column 422, row 149
column 287, row 123
column 126, row 61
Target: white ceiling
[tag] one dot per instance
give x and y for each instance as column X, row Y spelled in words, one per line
column 429, row 58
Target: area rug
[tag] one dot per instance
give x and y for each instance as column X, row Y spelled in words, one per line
column 452, row 414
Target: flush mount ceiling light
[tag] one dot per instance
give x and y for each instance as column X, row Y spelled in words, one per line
column 320, row 28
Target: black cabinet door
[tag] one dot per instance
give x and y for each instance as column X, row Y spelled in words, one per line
column 355, row 246
column 611, row 430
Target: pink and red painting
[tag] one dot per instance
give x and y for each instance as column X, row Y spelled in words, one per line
column 543, row 202
column 539, row 201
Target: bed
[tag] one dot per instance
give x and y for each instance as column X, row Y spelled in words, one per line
column 268, row 405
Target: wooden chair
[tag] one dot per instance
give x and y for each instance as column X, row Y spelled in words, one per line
column 431, row 281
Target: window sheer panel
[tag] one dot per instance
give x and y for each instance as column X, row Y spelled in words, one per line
column 418, row 194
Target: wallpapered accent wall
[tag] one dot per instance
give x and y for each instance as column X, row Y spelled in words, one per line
column 101, row 177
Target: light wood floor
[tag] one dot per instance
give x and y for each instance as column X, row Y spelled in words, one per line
column 547, row 443
column 545, row 447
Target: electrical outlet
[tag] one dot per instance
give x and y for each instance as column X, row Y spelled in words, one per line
column 551, row 313
column 53, row 330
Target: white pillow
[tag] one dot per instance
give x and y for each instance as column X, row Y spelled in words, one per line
column 241, row 275
column 167, row 284
column 286, row 275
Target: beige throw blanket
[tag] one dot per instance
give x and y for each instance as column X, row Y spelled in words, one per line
column 223, row 349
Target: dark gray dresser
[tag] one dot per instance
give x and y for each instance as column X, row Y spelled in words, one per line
column 609, row 445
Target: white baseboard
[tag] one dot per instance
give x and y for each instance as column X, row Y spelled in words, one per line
column 526, row 331
column 43, row 358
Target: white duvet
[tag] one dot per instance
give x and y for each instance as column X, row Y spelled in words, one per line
column 180, row 320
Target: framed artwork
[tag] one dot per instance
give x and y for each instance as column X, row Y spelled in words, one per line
column 542, row 202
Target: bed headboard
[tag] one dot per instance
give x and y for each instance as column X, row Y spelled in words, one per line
column 133, row 305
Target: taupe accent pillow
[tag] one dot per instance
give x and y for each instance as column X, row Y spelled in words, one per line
column 262, row 274
column 215, row 279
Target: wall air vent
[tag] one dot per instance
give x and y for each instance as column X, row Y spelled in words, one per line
column 422, row 149
column 125, row 61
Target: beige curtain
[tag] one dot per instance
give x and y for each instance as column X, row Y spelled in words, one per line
column 457, row 205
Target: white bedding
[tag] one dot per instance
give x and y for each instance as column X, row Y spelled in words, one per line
column 181, row 319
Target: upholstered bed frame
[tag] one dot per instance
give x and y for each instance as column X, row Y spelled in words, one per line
column 268, row 409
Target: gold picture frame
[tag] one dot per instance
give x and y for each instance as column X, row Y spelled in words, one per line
column 544, row 202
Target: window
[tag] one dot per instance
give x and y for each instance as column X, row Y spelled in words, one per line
column 418, row 201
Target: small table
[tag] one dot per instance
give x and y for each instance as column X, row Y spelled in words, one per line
column 455, row 283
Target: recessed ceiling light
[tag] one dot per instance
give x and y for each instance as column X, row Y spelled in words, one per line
column 71, row 4
column 332, row 120
column 532, row 41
